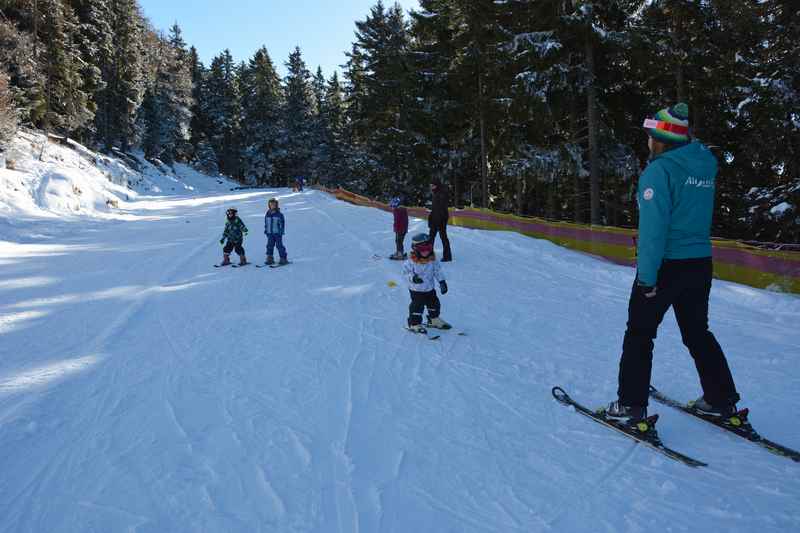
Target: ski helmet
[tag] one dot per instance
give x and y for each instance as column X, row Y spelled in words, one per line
column 394, row 202
column 231, row 212
column 421, row 244
column 273, row 201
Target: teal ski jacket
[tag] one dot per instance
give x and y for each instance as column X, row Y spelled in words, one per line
column 676, row 203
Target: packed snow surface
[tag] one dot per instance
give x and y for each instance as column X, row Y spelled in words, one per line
column 143, row 390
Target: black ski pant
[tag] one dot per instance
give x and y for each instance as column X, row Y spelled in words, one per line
column 231, row 245
column 684, row 285
column 399, row 238
column 441, row 229
column 419, row 301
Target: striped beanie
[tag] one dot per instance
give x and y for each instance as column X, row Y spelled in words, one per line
column 670, row 126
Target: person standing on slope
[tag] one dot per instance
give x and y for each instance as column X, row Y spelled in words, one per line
column 437, row 220
column 400, row 227
column 234, row 232
column 674, row 268
column 274, row 228
column 423, row 272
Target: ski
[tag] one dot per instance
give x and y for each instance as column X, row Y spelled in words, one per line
column 221, row 265
column 449, row 327
column 738, row 424
column 237, row 266
column 423, row 332
column 274, row 265
column 644, row 431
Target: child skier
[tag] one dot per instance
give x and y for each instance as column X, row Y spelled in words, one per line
column 400, row 227
column 423, row 271
column 274, row 228
column 235, row 230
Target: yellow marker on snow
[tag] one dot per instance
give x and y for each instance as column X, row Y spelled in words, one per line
column 392, row 284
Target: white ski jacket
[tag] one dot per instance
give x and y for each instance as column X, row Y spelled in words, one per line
column 430, row 273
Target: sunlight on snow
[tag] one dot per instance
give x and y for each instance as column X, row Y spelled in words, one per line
column 345, row 291
column 9, row 323
column 127, row 292
column 27, row 283
column 43, row 375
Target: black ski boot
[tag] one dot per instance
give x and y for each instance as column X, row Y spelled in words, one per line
column 629, row 414
column 722, row 411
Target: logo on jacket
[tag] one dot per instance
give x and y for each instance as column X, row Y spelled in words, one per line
column 648, row 194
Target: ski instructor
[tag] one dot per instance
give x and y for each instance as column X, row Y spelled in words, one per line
column 437, row 219
column 674, row 268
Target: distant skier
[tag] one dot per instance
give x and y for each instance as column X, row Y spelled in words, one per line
column 400, row 227
column 674, row 268
column 423, row 271
column 235, row 230
column 437, row 220
column 274, row 229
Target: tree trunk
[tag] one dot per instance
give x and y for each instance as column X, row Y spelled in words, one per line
column 576, row 180
column 484, row 163
column 591, row 97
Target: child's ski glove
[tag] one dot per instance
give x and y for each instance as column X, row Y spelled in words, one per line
column 222, row 240
column 443, row 286
column 416, row 279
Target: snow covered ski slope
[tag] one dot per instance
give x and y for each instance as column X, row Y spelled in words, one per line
column 143, row 390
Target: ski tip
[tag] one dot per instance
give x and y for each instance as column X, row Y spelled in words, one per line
column 559, row 394
column 653, row 389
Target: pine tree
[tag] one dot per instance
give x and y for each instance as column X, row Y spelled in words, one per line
column 123, row 75
column 168, row 120
column 24, row 72
column 66, row 102
column 95, row 43
column 297, row 119
column 8, row 112
column 383, row 112
column 198, row 124
column 223, row 110
column 334, row 165
column 261, row 125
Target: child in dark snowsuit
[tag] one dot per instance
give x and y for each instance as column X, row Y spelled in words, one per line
column 423, row 271
column 235, row 230
column 400, row 227
column 274, row 228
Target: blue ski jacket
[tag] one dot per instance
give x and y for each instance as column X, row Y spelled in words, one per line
column 274, row 223
column 676, row 203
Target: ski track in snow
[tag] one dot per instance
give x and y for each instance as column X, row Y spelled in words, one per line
column 143, row 390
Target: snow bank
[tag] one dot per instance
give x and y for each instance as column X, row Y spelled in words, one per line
column 56, row 178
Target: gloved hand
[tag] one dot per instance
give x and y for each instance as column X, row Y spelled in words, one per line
column 244, row 232
column 222, row 240
column 416, row 279
column 647, row 290
column 443, row 286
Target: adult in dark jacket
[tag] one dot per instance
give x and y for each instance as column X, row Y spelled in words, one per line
column 437, row 220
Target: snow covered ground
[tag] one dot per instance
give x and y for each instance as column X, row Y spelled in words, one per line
column 143, row 390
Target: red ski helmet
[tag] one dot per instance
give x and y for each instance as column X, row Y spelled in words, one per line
column 421, row 244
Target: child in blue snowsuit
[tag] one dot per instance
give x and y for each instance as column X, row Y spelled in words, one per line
column 274, row 228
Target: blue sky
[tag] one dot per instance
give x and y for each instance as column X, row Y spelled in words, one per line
column 322, row 28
